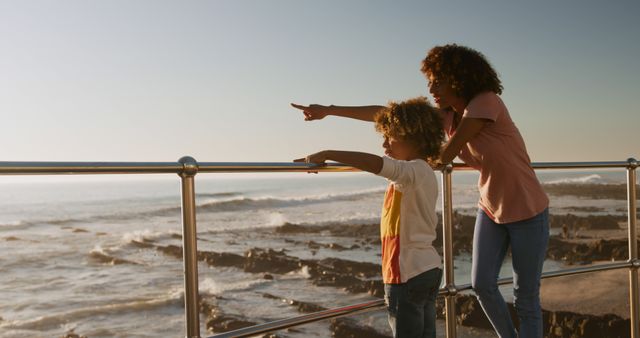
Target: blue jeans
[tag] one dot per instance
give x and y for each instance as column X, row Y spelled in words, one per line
column 528, row 241
column 412, row 305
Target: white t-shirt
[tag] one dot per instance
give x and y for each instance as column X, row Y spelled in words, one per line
column 408, row 220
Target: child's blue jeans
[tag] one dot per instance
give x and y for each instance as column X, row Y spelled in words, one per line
column 528, row 241
column 412, row 305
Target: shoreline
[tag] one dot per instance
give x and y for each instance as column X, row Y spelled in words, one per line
column 564, row 299
column 314, row 249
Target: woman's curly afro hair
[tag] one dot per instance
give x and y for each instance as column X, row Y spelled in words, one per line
column 465, row 69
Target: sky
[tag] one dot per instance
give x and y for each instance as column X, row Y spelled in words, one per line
column 123, row 80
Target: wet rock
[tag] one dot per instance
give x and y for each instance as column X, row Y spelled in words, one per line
column 462, row 234
column 584, row 209
column 221, row 259
column 557, row 324
column 338, row 230
column 171, row 250
column 464, row 227
column 79, row 230
column 106, row 259
column 335, row 246
column 372, row 287
column 573, row 222
column 267, row 276
column 562, row 324
column 345, row 274
column 11, row 238
column 369, row 231
column 304, row 307
column 269, row 260
column 72, row 334
column 206, row 308
column 352, row 276
column 348, row 328
column 576, row 253
column 219, row 322
column 289, row 228
column 314, row 245
column 593, row 191
column 361, row 269
column 469, row 312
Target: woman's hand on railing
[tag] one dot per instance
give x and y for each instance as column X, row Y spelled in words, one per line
column 313, row 111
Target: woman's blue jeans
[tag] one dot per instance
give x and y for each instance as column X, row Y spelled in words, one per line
column 412, row 305
column 528, row 241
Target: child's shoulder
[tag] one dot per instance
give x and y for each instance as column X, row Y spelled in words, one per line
column 421, row 167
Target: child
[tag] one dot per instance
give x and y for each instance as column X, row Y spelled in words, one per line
column 411, row 267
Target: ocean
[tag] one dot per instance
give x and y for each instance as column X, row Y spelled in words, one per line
column 69, row 260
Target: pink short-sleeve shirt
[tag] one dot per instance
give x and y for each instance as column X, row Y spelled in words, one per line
column 509, row 188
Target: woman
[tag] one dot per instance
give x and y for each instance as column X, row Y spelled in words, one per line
column 513, row 208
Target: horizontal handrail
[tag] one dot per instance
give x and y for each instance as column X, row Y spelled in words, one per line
column 187, row 167
column 46, row 168
column 569, row 165
column 301, row 320
column 379, row 304
column 72, row 168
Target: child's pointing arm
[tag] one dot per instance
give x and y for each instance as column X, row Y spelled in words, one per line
column 363, row 161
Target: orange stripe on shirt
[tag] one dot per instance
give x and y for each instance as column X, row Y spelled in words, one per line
column 390, row 260
column 390, row 236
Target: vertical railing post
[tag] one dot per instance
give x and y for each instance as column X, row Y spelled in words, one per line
column 633, row 249
column 189, row 246
column 447, row 251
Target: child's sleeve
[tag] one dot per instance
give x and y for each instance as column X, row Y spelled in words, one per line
column 403, row 172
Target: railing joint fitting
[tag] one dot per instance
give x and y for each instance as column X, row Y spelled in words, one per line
column 189, row 166
column 447, row 168
column 632, row 163
column 451, row 289
column 635, row 263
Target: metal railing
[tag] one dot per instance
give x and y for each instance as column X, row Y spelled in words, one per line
column 187, row 168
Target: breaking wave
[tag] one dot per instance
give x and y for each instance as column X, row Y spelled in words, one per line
column 588, row 179
column 56, row 320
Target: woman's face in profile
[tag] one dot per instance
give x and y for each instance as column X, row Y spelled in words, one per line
column 443, row 94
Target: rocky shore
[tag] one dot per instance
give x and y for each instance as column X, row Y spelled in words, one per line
column 593, row 191
column 361, row 277
column 557, row 324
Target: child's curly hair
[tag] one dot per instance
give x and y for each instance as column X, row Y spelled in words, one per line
column 465, row 69
column 414, row 120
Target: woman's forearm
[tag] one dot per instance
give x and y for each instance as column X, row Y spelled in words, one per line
column 468, row 129
column 364, row 113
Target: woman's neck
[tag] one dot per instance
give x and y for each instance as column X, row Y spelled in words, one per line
column 458, row 107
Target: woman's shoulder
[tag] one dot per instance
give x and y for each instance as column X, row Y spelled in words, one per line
column 486, row 98
column 485, row 105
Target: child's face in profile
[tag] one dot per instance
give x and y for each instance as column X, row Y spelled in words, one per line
column 399, row 149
